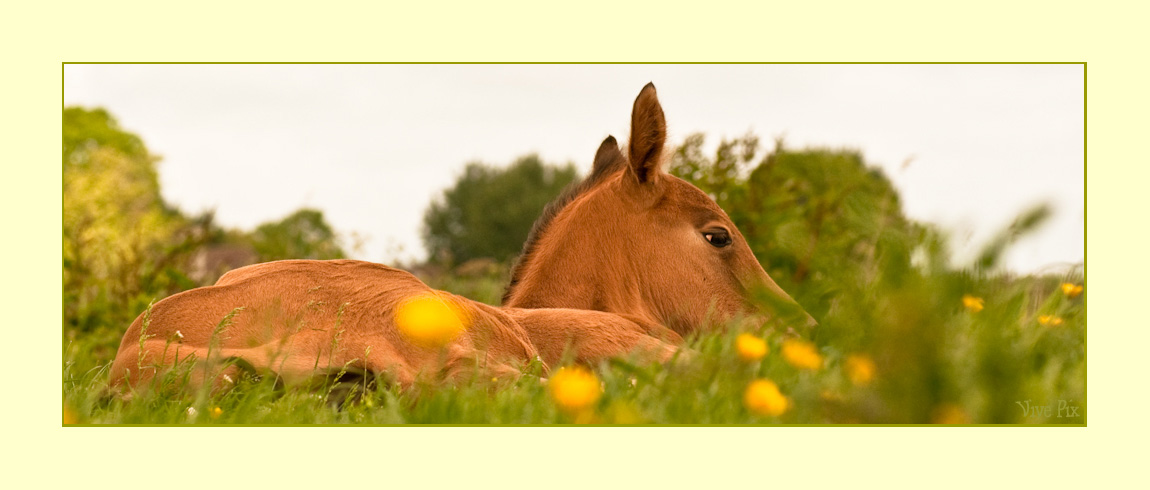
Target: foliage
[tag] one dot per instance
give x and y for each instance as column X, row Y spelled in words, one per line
column 485, row 283
column 87, row 129
column 721, row 177
column 489, row 211
column 820, row 221
column 904, row 336
column 930, row 360
column 302, row 235
column 121, row 245
column 124, row 248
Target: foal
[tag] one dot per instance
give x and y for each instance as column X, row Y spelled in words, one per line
column 609, row 267
column 633, row 239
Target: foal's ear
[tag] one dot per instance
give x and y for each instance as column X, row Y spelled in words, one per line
column 648, row 133
column 607, row 157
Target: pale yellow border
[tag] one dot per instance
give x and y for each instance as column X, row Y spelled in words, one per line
column 38, row 36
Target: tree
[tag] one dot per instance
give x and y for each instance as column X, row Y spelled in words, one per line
column 723, row 177
column 302, row 235
column 819, row 220
column 123, row 247
column 121, row 244
column 489, row 211
column 86, row 130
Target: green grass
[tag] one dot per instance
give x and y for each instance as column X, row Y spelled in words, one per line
column 935, row 359
column 825, row 225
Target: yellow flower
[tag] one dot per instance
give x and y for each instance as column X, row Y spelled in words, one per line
column 949, row 413
column 430, row 319
column 216, row 412
column 802, row 354
column 574, row 388
column 860, row 369
column 1071, row 290
column 1049, row 320
column 70, row 417
column 750, row 348
column 763, row 398
column 972, row 303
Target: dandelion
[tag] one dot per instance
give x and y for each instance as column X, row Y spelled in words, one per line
column 70, row 417
column 972, row 303
column 1071, row 290
column 1049, row 320
column 802, row 354
column 430, row 320
column 860, row 369
column 762, row 397
column 949, row 413
column 216, row 412
column 750, row 348
column 574, row 388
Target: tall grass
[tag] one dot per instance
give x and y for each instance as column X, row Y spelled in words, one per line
column 904, row 336
column 952, row 346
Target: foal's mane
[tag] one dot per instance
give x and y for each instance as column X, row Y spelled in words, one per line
column 607, row 160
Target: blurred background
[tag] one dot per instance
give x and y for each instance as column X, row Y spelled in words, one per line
column 967, row 147
column 929, row 216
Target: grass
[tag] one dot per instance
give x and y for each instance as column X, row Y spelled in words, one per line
column 933, row 358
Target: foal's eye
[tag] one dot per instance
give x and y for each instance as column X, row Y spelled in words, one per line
column 717, row 238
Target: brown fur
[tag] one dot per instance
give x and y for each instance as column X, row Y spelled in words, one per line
column 607, row 161
column 610, row 265
column 301, row 318
column 648, row 133
column 630, row 240
column 593, row 336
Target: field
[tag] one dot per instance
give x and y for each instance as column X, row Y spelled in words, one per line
column 947, row 348
column 906, row 333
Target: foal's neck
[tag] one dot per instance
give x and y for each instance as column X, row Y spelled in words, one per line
column 581, row 289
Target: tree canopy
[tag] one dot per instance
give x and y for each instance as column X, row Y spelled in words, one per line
column 124, row 247
column 302, row 235
column 814, row 217
column 118, row 237
column 490, row 210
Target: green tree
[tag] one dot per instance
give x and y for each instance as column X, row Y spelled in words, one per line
column 819, row 220
column 121, row 245
column 86, row 130
column 722, row 177
column 489, row 211
column 302, row 235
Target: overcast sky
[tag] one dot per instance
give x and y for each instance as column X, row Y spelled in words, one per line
column 371, row 145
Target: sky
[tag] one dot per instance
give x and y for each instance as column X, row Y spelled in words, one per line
column 969, row 147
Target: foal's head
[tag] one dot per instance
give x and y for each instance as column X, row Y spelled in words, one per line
column 633, row 239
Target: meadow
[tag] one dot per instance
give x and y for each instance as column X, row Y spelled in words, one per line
column 947, row 350
column 906, row 334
